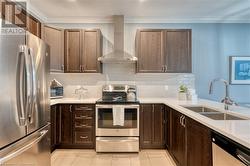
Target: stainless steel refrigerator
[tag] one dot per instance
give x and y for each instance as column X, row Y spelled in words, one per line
column 24, row 99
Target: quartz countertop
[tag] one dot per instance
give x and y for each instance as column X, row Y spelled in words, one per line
column 237, row 130
column 73, row 101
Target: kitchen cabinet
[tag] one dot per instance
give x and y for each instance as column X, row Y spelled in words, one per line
column 76, row 126
column 54, row 126
column 82, row 49
column 20, row 17
column 199, row 145
column 164, row 51
column 65, row 124
column 91, row 51
column 167, row 126
column 54, row 37
column 72, row 57
column 149, row 51
column 84, row 125
column 152, row 126
column 177, row 51
column 190, row 141
column 178, row 139
column 33, row 25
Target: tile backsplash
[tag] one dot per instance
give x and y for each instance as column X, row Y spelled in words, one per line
column 148, row 85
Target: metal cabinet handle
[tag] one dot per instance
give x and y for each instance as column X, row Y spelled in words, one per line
column 163, row 68
column 62, row 67
column 166, row 68
column 84, row 137
column 83, row 126
column 70, row 108
column 82, row 117
column 181, row 119
column 243, row 157
column 184, row 121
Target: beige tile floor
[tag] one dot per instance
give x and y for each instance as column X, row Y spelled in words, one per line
column 91, row 158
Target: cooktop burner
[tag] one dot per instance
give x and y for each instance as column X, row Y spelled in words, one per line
column 117, row 101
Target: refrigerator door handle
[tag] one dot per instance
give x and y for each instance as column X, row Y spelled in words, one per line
column 34, row 87
column 24, row 148
column 22, row 103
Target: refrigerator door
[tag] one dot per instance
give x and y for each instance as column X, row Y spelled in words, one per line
column 39, row 114
column 13, row 82
column 33, row 150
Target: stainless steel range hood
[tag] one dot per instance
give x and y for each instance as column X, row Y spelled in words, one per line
column 118, row 55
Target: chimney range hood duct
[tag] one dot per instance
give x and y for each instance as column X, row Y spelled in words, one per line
column 118, row 55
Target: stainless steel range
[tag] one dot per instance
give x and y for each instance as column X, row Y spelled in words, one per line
column 117, row 119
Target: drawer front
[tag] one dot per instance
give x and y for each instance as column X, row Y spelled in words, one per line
column 84, row 125
column 84, row 115
column 83, row 137
column 87, row 107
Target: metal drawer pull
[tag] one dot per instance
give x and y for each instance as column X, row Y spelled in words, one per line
column 82, row 126
column 83, row 117
column 84, row 137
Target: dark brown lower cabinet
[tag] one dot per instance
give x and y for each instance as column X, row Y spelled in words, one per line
column 76, row 126
column 152, row 130
column 178, row 139
column 199, row 145
column 65, row 124
column 190, row 141
column 53, row 121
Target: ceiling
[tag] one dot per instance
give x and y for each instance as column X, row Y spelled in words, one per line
column 57, row 11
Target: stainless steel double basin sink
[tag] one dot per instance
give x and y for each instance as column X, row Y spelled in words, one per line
column 213, row 114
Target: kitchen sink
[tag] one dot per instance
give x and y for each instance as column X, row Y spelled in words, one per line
column 212, row 113
column 200, row 109
column 222, row 116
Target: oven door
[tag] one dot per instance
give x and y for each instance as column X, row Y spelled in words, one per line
column 104, row 121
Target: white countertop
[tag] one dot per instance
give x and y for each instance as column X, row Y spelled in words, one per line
column 73, row 101
column 237, row 130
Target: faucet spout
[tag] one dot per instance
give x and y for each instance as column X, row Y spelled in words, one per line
column 226, row 100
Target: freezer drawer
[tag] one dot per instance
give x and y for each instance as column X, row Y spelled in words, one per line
column 32, row 150
column 117, row 144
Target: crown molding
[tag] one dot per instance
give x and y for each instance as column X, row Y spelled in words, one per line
column 144, row 20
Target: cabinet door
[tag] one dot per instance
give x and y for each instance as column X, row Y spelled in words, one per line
column 53, row 122
column 199, row 145
column 146, row 125
column 33, row 25
column 177, row 51
column 55, row 38
column 149, row 51
column 158, row 139
column 65, row 124
column 72, row 58
column 178, row 142
column 91, row 51
column 167, row 126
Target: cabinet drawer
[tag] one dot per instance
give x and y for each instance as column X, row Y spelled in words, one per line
column 84, row 115
column 85, row 107
column 83, row 137
column 86, row 124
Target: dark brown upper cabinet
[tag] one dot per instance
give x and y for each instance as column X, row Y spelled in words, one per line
column 164, row 51
column 17, row 15
column 82, row 49
column 33, row 25
column 72, row 59
column 177, row 51
column 152, row 126
column 149, row 51
column 91, row 51
column 54, row 37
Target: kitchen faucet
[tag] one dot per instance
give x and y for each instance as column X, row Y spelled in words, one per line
column 226, row 100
